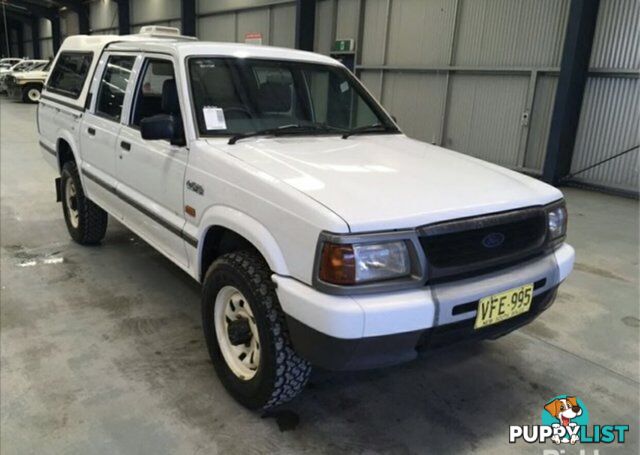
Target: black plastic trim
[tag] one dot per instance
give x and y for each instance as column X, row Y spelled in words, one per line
column 155, row 217
column 340, row 354
column 48, row 149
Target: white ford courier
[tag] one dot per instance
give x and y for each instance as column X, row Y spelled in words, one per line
column 321, row 234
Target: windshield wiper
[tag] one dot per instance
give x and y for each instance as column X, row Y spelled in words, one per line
column 287, row 129
column 375, row 128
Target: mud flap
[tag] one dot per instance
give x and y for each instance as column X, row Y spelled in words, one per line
column 58, row 189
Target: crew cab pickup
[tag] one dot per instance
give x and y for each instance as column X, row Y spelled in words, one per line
column 322, row 235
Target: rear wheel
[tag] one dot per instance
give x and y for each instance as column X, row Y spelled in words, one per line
column 246, row 333
column 31, row 93
column 86, row 222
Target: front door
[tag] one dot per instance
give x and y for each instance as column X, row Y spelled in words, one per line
column 151, row 173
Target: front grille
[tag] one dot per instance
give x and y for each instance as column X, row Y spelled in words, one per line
column 482, row 244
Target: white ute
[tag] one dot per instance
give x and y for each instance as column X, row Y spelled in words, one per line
column 321, row 234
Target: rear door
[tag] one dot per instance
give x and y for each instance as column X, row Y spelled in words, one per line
column 151, row 173
column 101, row 126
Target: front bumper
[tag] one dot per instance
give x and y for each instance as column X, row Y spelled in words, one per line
column 367, row 331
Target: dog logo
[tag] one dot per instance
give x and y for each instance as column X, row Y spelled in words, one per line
column 493, row 240
column 565, row 410
column 565, row 420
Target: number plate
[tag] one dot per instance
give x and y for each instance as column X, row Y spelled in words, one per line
column 508, row 304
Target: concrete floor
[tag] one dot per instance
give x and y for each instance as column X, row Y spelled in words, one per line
column 103, row 352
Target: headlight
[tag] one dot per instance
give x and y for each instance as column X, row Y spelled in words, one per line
column 557, row 221
column 349, row 264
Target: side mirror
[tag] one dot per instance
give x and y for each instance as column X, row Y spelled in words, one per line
column 163, row 126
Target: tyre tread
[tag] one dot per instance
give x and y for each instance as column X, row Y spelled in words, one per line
column 292, row 371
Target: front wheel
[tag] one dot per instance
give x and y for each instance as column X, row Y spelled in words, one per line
column 246, row 333
column 86, row 222
column 31, row 93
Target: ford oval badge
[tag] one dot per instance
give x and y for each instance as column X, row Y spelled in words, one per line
column 493, row 240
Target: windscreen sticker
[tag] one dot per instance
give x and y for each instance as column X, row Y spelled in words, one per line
column 344, row 86
column 214, row 118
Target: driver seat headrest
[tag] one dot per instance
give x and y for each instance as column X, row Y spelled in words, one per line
column 170, row 103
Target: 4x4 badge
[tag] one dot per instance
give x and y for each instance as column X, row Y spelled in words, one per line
column 195, row 187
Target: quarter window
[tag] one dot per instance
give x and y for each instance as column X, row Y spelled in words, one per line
column 69, row 74
column 113, row 86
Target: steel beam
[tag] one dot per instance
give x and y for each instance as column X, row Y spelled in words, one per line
column 574, row 68
column 124, row 23
column 188, row 17
column 35, row 37
column 305, row 24
column 56, row 35
column 18, row 27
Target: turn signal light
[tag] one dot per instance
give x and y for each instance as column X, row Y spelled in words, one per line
column 337, row 264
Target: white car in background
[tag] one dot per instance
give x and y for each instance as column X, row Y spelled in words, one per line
column 27, row 85
column 321, row 234
column 25, row 65
column 6, row 63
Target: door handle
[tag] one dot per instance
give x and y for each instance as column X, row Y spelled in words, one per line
column 91, row 131
column 125, row 145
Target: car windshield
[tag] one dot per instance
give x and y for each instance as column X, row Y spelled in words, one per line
column 23, row 66
column 235, row 96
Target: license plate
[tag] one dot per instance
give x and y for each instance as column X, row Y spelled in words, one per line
column 500, row 307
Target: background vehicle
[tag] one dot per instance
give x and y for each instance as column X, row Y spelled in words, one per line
column 27, row 85
column 25, row 65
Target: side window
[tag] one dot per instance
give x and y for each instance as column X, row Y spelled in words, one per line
column 113, row 86
column 158, row 75
column 68, row 76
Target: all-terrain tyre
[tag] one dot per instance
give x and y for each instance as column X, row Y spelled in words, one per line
column 86, row 222
column 277, row 374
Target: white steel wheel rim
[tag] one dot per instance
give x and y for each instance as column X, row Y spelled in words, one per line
column 34, row 94
column 71, row 201
column 244, row 359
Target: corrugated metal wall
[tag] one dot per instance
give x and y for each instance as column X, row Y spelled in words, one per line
column 610, row 116
column 480, row 76
column 482, row 67
column 231, row 21
column 103, row 17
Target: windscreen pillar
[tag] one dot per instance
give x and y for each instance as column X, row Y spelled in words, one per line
column 188, row 17
column 305, row 24
column 574, row 68
column 124, row 24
